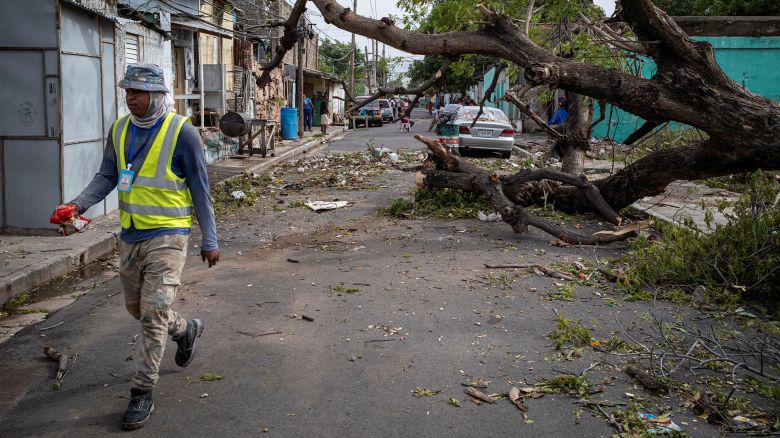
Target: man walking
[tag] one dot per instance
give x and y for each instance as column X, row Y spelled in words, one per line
column 308, row 113
column 154, row 158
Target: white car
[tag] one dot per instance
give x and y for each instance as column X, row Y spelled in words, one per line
column 492, row 132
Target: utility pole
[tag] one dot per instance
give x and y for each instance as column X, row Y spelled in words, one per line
column 373, row 70
column 385, row 71
column 352, row 60
column 368, row 72
column 299, row 76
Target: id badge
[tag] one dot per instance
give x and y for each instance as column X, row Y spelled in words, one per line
column 125, row 180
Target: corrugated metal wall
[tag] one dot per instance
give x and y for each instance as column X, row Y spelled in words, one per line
column 57, row 102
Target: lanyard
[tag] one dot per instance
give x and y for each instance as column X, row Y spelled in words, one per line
column 132, row 142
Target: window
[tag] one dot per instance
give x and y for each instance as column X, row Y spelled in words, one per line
column 134, row 49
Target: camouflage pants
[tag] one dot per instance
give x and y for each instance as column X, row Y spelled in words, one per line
column 151, row 273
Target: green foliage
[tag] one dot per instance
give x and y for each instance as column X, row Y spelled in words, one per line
column 438, row 203
column 565, row 292
column 571, row 332
column 579, row 386
column 334, row 59
column 741, row 256
column 250, row 185
column 17, row 301
column 344, row 289
column 210, row 377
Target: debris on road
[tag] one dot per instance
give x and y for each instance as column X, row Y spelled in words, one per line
column 476, row 393
column 662, row 424
column 492, row 217
column 477, row 383
column 307, row 318
column 318, row 206
column 454, row 402
column 62, row 364
column 422, row 392
column 514, row 397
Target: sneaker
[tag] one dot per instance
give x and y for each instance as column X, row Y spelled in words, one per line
column 186, row 351
column 140, row 409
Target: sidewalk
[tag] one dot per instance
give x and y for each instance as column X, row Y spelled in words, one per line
column 27, row 262
column 285, row 150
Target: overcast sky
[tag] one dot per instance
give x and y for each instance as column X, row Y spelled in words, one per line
column 383, row 8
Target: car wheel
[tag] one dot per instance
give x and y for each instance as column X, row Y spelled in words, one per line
column 381, row 123
column 506, row 154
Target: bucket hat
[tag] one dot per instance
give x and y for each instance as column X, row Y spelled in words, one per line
column 147, row 77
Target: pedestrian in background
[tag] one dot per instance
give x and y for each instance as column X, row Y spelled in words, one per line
column 154, row 158
column 308, row 113
column 324, row 115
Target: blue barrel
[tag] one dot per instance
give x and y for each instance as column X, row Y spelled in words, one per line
column 289, row 123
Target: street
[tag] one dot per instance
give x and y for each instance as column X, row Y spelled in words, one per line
column 389, row 135
column 397, row 307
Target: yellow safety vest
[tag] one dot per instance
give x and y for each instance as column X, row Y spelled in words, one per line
column 158, row 198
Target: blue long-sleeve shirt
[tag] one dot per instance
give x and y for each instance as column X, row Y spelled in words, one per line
column 559, row 118
column 188, row 163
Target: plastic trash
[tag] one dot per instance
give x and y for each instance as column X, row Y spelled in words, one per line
column 492, row 217
column 662, row 424
column 67, row 217
column 393, row 156
column 744, row 423
column 325, row 205
column 238, row 195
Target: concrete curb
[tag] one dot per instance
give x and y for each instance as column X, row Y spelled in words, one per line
column 99, row 242
column 305, row 146
column 44, row 270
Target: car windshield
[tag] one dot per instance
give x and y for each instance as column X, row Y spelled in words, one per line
column 384, row 104
column 468, row 113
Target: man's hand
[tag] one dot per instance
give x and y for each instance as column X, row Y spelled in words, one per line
column 211, row 256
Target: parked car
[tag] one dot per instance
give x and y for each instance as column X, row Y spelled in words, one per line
column 491, row 132
column 372, row 110
column 387, row 110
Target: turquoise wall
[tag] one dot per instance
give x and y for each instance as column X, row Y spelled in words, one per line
column 498, row 94
column 753, row 62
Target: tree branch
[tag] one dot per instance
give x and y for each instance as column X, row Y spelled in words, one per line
column 525, row 109
column 498, row 68
column 286, row 43
column 529, row 13
column 403, row 90
column 643, row 130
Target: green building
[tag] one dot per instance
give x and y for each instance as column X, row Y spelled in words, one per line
column 747, row 49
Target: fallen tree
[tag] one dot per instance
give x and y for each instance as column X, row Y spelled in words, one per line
column 689, row 87
column 743, row 130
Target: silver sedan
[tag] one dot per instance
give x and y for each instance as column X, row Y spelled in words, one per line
column 492, row 132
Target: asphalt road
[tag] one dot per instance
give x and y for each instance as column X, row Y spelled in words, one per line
column 397, row 304
column 389, row 135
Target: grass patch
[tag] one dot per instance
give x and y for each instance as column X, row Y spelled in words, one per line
column 296, row 204
column 737, row 260
column 17, row 301
column 439, row 204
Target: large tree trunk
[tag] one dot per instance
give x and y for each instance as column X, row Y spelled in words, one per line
column 573, row 147
column 689, row 87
